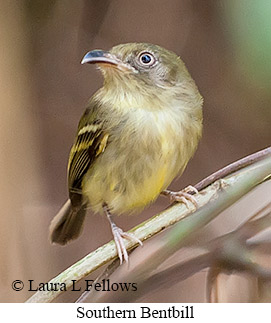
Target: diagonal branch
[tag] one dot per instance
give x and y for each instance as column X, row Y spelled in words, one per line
column 229, row 169
column 240, row 183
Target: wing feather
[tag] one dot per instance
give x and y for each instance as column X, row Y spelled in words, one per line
column 90, row 142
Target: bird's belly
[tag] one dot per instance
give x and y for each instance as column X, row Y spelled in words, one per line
column 129, row 180
column 137, row 165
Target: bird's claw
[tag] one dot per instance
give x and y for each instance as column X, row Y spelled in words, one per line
column 183, row 196
column 119, row 235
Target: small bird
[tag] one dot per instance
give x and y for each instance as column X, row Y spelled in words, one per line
column 137, row 134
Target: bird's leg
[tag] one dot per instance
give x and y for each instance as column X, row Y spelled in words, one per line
column 183, row 196
column 118, row 235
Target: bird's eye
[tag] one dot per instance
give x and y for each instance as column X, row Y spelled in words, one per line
column 146, row 59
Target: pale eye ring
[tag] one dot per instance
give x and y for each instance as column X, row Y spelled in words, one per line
column 146, row 59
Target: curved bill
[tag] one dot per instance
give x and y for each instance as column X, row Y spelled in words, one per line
column 99, row 56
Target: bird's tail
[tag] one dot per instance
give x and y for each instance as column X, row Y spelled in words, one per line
column 67, row 224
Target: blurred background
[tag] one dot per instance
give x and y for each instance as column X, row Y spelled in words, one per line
column 226, row 45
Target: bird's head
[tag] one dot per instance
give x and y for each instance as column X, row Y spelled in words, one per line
column 139, row 64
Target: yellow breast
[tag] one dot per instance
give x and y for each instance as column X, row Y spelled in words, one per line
column 140, row 160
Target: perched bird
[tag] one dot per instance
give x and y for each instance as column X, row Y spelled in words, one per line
column 137, row 134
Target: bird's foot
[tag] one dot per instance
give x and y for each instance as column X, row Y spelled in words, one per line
column 183, row 196
column 119, row 235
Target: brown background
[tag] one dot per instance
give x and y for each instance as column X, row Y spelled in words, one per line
column 43, row 91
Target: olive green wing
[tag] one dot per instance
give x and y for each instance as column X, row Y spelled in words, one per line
column 90, row 141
